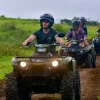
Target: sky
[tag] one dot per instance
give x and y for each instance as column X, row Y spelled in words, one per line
column 60, row 9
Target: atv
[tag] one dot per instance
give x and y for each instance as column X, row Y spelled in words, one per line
column 83, row 55
column 96, row 42
column 43, row 72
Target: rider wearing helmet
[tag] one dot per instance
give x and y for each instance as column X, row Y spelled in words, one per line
column 83, row 25
column 77, row 33
column 46, row 34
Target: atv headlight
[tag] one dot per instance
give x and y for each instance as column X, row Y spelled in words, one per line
column 55, row 63
column 23, row 64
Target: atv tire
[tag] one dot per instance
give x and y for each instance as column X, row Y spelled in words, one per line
column 12, row 90
column 77, row 86
column 11, row 87
column 88, row 61
column 67, row 87
column 94, row 60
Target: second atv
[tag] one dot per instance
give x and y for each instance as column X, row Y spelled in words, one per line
column 82, row 55
column 96, row 42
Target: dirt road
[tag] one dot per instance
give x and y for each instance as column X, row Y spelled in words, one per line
column 90, row 86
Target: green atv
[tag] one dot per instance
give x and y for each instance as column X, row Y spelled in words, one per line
column 43, row 72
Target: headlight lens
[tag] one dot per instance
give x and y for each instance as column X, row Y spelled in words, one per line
column 41, row 49
column 23, row 64
column 55, row 63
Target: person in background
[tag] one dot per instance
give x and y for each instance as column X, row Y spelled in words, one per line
column 83, row 25
column 77, row 33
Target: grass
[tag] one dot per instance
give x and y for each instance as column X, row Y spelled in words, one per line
column 13, row 31
column 92, row 31
column 5, row 66
column 98, row 97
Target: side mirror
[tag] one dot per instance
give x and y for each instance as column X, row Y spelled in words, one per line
column 61, row 34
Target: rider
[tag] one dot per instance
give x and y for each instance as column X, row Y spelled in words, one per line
column 46, row 34
column 83, row 25
column 77, row 33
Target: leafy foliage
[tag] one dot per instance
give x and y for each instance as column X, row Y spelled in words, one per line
column 7, row 26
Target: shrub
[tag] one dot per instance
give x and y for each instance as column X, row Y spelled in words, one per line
column 2, row 16
column 7, row 26
column 62, row 27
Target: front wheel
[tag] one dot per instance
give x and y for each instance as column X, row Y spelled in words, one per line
column 11, row 87
column 94, row 60
column 67, row 87
column 88, row 61
column 13, row 91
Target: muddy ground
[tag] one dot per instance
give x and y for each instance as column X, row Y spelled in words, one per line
column 90, row 86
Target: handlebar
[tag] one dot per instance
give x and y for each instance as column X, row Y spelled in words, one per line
column 79, row 41
column 31, row 44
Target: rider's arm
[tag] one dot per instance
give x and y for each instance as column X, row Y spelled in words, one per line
column 59, row 40
column 68, row 35
column 84, row 36
column 85, row 43
column 86, row 31
column 31, row 38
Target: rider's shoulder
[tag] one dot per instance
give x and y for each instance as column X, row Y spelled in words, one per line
column 53, row 31
column 81, row 30
column 38, row 31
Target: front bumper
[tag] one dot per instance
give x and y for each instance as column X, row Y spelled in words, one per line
column 44, row 68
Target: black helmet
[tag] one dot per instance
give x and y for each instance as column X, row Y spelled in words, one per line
column 75, row 23
column 83, row 20
column 48, row 17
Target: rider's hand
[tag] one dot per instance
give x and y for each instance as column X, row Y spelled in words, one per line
column 62, row 42
column 65, row 38
column 82, row 44
column 68, row 44
column 24, row 43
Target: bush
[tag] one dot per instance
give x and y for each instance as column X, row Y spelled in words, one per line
column 7, row 26
column 7, row 49
column 14, row 37
column 10, row 43
column 2, row 16
column 62, row 27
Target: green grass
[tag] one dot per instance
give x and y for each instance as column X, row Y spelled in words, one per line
column 92, row 31
column 98, row 97
column 5, row 66
column 13, row 31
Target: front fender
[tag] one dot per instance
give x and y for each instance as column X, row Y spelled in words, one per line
column 70, row 64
